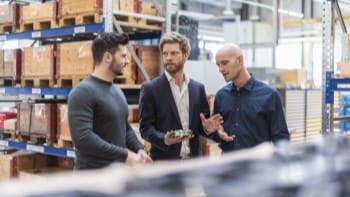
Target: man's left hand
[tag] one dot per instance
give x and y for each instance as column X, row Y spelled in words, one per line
column 211, row 124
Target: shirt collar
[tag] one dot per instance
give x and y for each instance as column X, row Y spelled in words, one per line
column 248, row 86
column 170, row 78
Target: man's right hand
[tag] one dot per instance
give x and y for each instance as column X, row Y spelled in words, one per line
column 170, row 140
column 133, row 158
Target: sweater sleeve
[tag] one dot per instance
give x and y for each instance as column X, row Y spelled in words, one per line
column 80, row 116
column 131, row 139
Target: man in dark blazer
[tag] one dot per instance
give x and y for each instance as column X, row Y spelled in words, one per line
column 173, row 101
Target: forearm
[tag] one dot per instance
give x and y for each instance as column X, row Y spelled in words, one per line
column 91, row 144
column 153, row 136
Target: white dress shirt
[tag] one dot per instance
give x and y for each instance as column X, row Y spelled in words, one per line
column 182, row 104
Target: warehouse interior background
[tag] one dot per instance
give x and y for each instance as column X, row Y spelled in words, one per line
column 288, row 44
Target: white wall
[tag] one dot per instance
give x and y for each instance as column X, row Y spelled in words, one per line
column 207, row 73
column 242, row 32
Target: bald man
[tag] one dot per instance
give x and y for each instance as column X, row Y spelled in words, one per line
column 251, row 109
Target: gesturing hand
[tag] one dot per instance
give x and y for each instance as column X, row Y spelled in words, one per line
column 211, row 124
column 224, row 136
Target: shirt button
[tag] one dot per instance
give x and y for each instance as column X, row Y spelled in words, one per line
column 237, row 108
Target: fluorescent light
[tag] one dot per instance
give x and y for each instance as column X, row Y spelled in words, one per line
column 195, row 15
column 291, row 13
column 211, row 38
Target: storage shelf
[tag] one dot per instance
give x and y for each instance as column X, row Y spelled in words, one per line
column 335, row 84
column 35, row 91
column 61, row 152
column 64, row 34
column 55, row 32
column 72, row 31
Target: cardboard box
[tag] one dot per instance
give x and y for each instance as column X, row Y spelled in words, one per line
column 39, row 11
column 294, row 77
column 150, row 59
column 10, row 63
column 39, row 173
column 38, row 119
column 63, row 132
column 9, row 14
column 149, row 8
column 74, row 59
column 39, row 61
column 344, row 69
column 13, row 162
column 74, row 7
column 65, row 163
column 133, row 115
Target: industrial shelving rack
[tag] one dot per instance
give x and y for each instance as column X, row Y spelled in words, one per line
column 106, row 25
column 330, row 83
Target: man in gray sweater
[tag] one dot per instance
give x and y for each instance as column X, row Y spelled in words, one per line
column 98, row 111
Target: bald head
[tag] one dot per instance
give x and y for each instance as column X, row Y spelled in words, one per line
column 231, row 50
column 229, row 59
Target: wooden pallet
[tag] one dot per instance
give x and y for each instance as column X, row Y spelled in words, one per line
column 8, row 81
column 7, row 27
column 66, row 143
column 121, row 79
column 38, row 24
column 37, row 82
column 69, row 81
column 129, row 24
column 34, row 138
column 80, row 19
column 7, row 134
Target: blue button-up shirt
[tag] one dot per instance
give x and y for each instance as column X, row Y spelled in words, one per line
column 254, row 114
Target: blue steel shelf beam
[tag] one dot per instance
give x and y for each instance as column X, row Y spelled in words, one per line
column 60, row 152
column 338, row 84
column 35, row 91
column 55, row 32
column 73, row 30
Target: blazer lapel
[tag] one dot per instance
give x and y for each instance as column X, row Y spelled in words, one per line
column 169, row 95
column 192, row 95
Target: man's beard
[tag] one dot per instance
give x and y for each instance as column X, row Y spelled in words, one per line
column 176, row 68
column 113, row 68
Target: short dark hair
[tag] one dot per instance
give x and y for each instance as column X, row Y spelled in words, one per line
column 107, row 41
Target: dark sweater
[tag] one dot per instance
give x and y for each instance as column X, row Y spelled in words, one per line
column 98, row 121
